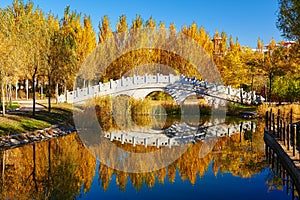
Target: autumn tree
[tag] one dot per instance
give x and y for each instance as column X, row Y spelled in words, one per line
column 30, row 27
column 260, row 46
column 61, row 56
column 6, row 44
column 105, row 30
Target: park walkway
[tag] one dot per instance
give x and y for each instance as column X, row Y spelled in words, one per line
column 27, row 105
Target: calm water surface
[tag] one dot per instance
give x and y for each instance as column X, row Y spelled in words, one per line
column 235, row 167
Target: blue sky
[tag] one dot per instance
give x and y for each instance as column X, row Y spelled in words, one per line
column 245, row 19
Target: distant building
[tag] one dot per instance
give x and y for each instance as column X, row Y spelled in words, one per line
column 217, row 45
column 286, row 44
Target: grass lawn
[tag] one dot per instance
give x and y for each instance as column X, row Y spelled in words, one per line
column 21, row 122
column 235, row 109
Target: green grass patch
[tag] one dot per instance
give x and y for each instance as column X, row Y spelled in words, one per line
column 21, row 122
column 9, row 106
column 235, row 109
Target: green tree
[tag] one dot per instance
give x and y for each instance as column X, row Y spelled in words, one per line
column 273, row 63
column 287, row 88
column 288, row 18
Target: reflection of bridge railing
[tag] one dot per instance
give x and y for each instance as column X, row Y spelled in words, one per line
column 179, row 87
column 177, row 134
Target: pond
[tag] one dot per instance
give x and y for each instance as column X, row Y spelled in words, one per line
column 208, row 160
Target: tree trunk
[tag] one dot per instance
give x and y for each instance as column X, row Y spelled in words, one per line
column 270, row 89
column 26, row 86
column 49, row 159
column 49, row 93
column 33, row 95
column 65, row 89
column 10, row 94
column 34, row 167
column 34, row 90
column 17, row 90
column 56, row 93
column 3, row 98
column 3, row 167
column 42, row 91
column 252, row 83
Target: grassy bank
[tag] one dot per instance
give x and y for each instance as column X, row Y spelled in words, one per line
column 236, row 109
column 21, row 122
column 12, row 106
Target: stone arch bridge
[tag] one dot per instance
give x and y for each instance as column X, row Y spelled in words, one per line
column 179, row 87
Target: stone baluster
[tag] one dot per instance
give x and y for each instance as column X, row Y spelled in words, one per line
column 229, row 90
column 77, row 92
column 122, row 81
column 67, row 96
column 111, row 84
column 134, row 79
column 169, row 143
column 145, row 142
column 133, row 141
column 100, row 86
column 122, row 138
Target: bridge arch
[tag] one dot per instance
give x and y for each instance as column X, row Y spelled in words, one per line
column 160, row 95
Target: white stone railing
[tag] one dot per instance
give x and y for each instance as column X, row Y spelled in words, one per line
column 201, row 87
column 221, row 91
column 114, row 86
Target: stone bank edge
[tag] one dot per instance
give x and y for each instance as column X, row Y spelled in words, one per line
column 17, row 140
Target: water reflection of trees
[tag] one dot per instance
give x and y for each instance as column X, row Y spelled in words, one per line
column 241, row 154
column 123, row 112
column 236, row 155
column 62, row 168
column 56, row 169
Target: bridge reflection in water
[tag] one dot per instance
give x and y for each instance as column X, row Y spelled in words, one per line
column 178, row 134
column 64, row 169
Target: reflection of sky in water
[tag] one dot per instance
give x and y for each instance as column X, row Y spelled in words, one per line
column 222, row 186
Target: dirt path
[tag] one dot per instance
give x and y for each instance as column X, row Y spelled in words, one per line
column 27, row 106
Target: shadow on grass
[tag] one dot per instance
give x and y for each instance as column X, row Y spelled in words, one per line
column 19, row 122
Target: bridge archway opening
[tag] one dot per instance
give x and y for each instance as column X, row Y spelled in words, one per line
column 163, row 106
column 160, row 96
column 195, row 110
